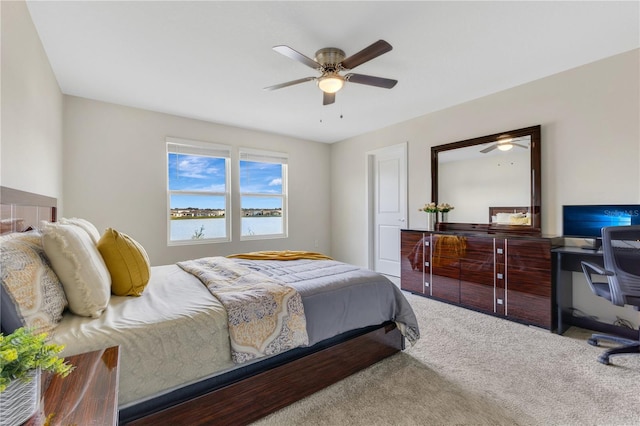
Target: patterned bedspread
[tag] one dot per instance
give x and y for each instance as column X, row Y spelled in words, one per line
column 340, row 297
column 265, row 316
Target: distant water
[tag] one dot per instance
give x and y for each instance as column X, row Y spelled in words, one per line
column 214, row 228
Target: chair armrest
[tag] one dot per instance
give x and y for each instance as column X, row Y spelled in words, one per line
column 595, row 268
column 590, row 268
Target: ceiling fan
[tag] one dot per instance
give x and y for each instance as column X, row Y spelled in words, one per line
column 330, row 61
column 505, row 143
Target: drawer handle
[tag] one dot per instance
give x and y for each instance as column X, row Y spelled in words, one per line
column 499, row 251
column 500, row 302
column 426, row 284
column 500, row 276
column 426, row 263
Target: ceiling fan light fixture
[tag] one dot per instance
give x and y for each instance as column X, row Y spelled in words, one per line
column 331, row 83
column 504, row 143
column 505, row 146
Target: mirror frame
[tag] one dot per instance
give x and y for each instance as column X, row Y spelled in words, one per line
column 535, row 228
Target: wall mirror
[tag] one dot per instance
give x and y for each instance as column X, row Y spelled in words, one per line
column 492, row 181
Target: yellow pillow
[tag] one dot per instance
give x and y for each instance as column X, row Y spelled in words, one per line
column 127, row 262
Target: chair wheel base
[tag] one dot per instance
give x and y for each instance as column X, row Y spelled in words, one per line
column 633, row 348
column 592, row 341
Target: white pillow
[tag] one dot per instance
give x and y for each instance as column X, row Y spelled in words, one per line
column 503, row 217
column 78, row 264
column 84, row 224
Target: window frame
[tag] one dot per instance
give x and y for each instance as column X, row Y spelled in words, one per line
column 204, row 149
column 263, row 156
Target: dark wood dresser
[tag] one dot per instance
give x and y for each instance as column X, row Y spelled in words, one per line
column 506, row 276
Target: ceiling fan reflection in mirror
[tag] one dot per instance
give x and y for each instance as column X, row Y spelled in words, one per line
column 505, row 143
column 330, row 61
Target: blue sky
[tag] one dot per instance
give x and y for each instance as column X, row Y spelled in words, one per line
column 262, row 178
column 199, row 173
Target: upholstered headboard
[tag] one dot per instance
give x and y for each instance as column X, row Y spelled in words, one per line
column 21, row 210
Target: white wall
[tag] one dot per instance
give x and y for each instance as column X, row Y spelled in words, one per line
column 590, row 118
column 114, row 157
column 498, row 181
column 31, row 132
column 115, row 176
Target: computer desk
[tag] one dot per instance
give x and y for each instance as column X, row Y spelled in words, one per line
column 566, row 260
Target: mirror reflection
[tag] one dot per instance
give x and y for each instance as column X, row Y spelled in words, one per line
column 477, row 178
column 492, row 181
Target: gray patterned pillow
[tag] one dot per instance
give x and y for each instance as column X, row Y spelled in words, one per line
column 30, row 283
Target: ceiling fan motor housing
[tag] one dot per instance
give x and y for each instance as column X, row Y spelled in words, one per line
column 329, row 58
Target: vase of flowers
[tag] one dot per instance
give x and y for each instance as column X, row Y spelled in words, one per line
column 431, row 210
column 23, row 355
column 443, row 210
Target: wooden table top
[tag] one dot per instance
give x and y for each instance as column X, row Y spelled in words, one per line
column 87, row 396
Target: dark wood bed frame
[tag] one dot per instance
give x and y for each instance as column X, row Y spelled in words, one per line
column 270, row 387
column 249, row 393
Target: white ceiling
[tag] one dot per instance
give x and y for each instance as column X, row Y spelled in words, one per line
column 210, row 60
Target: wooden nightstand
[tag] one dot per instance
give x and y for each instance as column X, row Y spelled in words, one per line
column 87, row 396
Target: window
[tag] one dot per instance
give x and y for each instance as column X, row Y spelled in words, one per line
column 198, row 192
column 263, row 194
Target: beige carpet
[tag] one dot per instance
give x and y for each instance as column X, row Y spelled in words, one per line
column 474, row 369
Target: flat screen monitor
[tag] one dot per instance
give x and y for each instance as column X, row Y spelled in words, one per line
column 587, row 221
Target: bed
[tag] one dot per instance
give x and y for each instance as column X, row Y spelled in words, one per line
column 509, row 216
column 180, row 362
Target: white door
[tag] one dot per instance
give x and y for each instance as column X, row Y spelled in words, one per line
column 388, row 201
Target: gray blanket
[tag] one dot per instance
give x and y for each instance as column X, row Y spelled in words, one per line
column 339, row 297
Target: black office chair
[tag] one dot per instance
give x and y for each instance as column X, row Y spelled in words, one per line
column 621, row 251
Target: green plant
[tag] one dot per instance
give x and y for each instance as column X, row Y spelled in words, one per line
column 445, row 207
column 23, row 351
column 433, row 208
column 429, row 208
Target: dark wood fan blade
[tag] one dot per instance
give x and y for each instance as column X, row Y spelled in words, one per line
column 289, row 83
column 489, row 148
column 371, row 80
column 297, row 56
column 328, row 98
column 366, row 54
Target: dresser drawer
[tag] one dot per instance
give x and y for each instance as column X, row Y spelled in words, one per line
column 447, row 246
column 480, row 249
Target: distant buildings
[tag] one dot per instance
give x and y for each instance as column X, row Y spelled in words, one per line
column 195, row 213
column 261, row 212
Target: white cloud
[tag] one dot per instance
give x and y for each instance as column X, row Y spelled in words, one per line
column 215, row 188
column 195, row 167
column 276, row 181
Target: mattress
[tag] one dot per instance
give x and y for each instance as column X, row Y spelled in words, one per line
column 176, row 333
